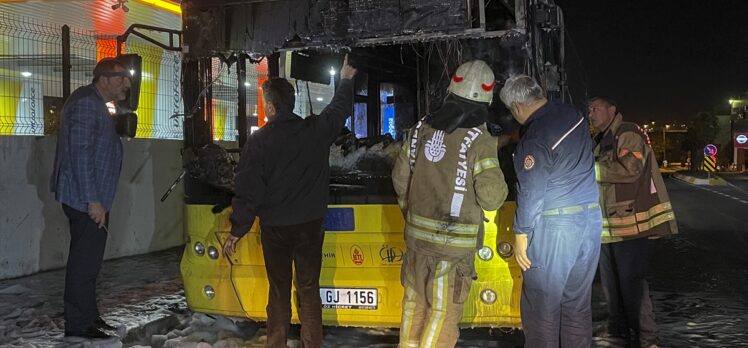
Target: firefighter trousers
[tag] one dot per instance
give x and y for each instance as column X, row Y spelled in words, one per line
column 557, row 288
column 623, row 266
column 435, row 292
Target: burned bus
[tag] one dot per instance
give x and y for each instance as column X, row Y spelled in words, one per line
column 405, row 52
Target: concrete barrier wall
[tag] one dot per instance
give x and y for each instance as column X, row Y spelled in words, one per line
column 34, row 232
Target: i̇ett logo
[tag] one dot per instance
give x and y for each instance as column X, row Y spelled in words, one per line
column 741, row 139
column 357, row 256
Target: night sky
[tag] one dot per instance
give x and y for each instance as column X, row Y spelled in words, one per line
column 660, row 59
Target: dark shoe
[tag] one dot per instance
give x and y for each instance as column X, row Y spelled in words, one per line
column 92, row 334
column 103, row 325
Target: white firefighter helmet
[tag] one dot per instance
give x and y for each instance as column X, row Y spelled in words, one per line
column 473, row 81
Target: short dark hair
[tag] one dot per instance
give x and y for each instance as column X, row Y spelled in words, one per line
column 279, row 92
column 104, row 66
column 607, row 100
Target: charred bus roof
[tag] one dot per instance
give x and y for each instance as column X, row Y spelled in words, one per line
column 264, row 27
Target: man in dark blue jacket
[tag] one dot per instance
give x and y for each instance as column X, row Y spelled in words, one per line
column 558, row 223
column 87, row 167
column 283, row 178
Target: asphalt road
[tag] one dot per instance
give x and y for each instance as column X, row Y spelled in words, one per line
column 699, row 278
column 739, row 181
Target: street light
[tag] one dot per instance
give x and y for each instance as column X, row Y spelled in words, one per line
column 664, row 143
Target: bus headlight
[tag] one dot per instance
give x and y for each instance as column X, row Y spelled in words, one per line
column 209, row 292
column 199, row 249
column 213, row 252
column 488, row 296
column 505, row 249
column 485, row 253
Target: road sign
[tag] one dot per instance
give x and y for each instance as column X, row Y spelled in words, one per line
column 710, row 150
column 740, row 140
column 710, row 163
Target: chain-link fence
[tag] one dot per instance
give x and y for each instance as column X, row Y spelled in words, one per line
column 225, row 96
column 31, row 82
column 160, row 106
column 31, row 77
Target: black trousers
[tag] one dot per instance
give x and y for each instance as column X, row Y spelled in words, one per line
column 301, row 246
column 623, row 266
column 87, row 244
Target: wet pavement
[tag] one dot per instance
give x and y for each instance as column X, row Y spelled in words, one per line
column 133, row 292
column 698, row 280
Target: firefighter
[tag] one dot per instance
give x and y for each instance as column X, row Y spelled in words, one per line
column 558, row 223
column 445, row 176
column 637, row 210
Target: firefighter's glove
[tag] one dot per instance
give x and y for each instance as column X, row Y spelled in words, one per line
column 520, row 251
column 229, row 246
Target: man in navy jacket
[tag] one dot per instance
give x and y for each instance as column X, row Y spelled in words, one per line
column 558, row 222
column 87, row 167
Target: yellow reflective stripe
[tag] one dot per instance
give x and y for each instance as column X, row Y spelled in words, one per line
column 598, row 174
column 606, row 232
column 657, row 220
column 443, row 230
column 637, row 228
column 643, row 219
column 409, row 307
column 439, row 309
column 484, row 164
column 574, row 209
column 441, row 239
column 622, row 221
column 438, row 225
column 655, row 210
column 624, row 231
column 565, row 210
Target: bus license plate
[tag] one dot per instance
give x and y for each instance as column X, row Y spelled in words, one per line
column 342, row 298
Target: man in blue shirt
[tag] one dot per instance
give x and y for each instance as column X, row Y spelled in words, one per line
column 558, row 223
column 87, row 167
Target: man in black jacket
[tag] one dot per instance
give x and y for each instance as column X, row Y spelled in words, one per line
column 283, row 178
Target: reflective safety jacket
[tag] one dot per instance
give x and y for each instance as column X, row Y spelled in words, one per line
column 633, row 196
column 443, row 183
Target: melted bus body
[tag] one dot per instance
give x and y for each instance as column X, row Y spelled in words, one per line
column 364, row 243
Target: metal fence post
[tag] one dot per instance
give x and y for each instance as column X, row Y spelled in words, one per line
column 241, row 115
column 65, row 63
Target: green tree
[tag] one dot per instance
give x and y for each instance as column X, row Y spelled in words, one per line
column 702, row 130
